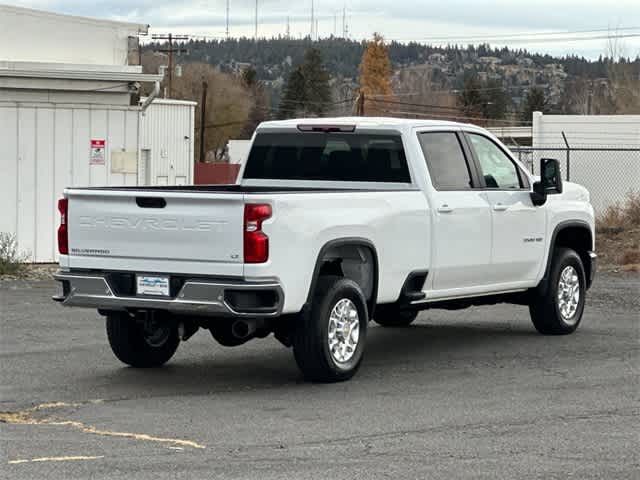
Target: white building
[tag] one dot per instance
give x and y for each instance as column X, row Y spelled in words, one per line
column 166, row 143
column 69, row 116
column 604, row 155
column 238, row 151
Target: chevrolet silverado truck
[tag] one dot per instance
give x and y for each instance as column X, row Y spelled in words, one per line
column 334, row 223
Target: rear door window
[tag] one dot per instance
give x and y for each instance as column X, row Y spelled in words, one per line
column 448, row 166
column 328, row 157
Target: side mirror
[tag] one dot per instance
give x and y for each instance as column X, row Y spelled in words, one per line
column 550, row 181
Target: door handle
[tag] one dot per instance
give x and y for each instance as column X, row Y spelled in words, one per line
column 445, row 209
column 499, row 207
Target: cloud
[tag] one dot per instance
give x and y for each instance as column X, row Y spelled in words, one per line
column 402, row 19
column 541, row 14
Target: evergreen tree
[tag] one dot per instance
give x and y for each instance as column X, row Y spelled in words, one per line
column 260, row 102
column 470, row 97
column 317, row 93
column 535, row 101
column 307, row 91
column 375, row 68
column 293, row 97
column 496, row 100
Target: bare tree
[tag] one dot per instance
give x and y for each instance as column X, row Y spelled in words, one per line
column 228, row 102
column 624, row 78
column 228, row 105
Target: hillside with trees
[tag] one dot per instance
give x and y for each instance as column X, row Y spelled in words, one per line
column 251, row 81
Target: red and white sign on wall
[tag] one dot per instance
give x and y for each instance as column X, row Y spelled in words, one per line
column 97, row 155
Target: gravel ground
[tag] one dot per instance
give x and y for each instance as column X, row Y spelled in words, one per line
column 469, row 394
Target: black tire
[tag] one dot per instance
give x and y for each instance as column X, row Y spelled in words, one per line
column 393, row 317
column 310, row 336
column 131, row 346
column 544, row 309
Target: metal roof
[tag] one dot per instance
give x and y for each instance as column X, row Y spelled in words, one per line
column 140, row 27
column 80, row 74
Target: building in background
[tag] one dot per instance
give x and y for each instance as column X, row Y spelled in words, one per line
column 238, row 151
column 166, row 143
column 600, row 152
column 70, row 115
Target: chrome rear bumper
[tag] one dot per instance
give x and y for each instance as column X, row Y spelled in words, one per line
column 198, row 296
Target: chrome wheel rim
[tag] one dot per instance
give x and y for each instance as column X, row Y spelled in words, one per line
column 569, row 295
column 344, row 331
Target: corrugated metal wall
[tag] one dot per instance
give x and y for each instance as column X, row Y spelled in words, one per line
column 167, row 131
column 45, row 148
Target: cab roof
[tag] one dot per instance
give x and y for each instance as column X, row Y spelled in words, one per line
column 364, row 122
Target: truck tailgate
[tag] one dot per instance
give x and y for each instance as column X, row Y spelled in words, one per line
column 177, row 232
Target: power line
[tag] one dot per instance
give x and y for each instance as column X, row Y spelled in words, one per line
column 459, row 117
column 444, row 110
column 530, row 34
column 533, row 39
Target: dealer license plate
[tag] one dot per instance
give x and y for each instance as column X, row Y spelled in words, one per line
column 158, row 286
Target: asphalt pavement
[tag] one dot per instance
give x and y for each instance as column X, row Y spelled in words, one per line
column 467, row 394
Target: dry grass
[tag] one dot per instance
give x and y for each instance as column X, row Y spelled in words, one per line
column 621, row 215
column 11, row 260
column 618, row 235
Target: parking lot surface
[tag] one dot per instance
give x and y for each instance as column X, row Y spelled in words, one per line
column 466, row 394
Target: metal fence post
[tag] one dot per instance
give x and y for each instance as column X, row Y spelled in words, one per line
column 568, row 157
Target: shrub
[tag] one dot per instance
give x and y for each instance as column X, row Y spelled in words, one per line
column 11, row 261
column 620, row 216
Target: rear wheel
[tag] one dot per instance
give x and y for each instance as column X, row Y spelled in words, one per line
column 390, row 316
column 559, row 310
column 328, row 341
column 142, row 343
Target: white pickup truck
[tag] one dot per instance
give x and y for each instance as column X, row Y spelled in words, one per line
column 335, row 222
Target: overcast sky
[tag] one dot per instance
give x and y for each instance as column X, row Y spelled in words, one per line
column 404, row 20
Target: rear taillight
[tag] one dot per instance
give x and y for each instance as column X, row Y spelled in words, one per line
column 63, row 232
column 256, row 243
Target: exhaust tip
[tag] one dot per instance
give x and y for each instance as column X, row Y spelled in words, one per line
column 243, row 329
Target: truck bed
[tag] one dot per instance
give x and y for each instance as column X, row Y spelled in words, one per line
column 233, row 188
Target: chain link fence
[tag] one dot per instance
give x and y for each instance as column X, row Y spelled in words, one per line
column 609, row 173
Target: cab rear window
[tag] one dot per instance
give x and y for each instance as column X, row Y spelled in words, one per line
column 338, row 157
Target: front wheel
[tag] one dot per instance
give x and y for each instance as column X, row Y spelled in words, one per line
column 142, row 343
column 328, row 341
column 559, row 310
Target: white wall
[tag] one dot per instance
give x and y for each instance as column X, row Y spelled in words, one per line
column 45, row 148
column 167, row 135
column 609, row 175
column 238, row 150
column 48, row 37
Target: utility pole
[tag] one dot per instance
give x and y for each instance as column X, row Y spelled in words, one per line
column 203, row 118
column 170, row 38
column 288, row 29
column 359, row 106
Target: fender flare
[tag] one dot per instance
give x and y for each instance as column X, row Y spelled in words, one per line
column 558, row 228
column 338, row 242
